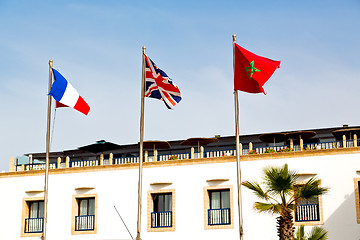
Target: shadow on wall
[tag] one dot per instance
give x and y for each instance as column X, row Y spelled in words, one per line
column 342, row 223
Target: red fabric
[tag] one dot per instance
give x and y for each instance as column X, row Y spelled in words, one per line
column 59, row 104
column 251, row 71
column 82, row 106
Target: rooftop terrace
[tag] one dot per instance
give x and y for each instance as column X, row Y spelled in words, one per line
column 106, row 153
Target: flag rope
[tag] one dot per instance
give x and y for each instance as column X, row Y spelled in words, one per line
column 52, row 130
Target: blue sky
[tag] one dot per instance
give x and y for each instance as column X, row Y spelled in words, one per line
column 97, row 45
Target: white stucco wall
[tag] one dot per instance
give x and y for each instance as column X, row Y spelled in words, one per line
column 119, row 188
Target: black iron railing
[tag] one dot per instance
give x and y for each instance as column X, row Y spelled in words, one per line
column 220, row 216
column 307, row 212
column 34, row 225
column 84, row 223
column 161, row 219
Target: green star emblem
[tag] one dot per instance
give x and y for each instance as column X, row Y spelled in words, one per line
column 251, row 70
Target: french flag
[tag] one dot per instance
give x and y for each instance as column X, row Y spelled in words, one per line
column 64, row 93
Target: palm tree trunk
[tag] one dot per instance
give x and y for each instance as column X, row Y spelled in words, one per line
column 285, row 226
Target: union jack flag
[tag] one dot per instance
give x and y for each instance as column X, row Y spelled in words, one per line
column 158, row 85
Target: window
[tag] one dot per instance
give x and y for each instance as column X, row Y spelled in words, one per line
column 34, row 223
column 32, row 217
column 84, row 214
column 308, row 212
column 161, row 210
column 218, row 207
column 85, row 219
column 162, row 213
column 219, row 212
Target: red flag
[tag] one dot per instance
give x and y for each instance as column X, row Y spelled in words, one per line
column 251, row 71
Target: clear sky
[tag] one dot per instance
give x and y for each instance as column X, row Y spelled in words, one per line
column 97, row 45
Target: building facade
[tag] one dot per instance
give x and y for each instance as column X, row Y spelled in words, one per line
column 191, row 196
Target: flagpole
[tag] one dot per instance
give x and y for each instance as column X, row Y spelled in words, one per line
column 238, row 149
column 141, row 144
column 47, row 152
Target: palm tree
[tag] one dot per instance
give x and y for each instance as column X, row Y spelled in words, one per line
column 281, row 193
column 316, row 233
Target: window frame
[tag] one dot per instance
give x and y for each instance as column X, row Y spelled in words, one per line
column 219, row 214
column 207, row 204
column 150, row 209
column 76, row 211
column 357, row 199
column 26, row 213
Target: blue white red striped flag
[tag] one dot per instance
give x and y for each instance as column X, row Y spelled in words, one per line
column 158, row 85
column 64, row 93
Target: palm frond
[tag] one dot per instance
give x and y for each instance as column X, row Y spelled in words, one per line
column 291, row 206
column 317, row 233
column 310, row 190
column 255, row 186
column 268, row 207
column 280, row 180
column 300, row 233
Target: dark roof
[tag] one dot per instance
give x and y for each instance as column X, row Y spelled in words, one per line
column 198, row 141
column 273, row 137
column 348, row 132
column 100, row 147
column 301, row 134
column 156, row 145
column 227, row 142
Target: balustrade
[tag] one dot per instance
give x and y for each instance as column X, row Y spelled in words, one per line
column 161, row 219
column 308, row 212
column 34, row 225
column 84, row 223
column 186, row 155
column 219, row 216
column 84, row 163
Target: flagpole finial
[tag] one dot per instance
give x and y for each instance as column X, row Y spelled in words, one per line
column 234, row 37
column 51, row 63
column 144, row 49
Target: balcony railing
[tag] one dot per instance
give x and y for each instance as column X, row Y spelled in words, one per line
column 220, row 153
column 38, row 166
column 186, row 155
column 327, row 145
column 161, row 219
column 34, row 225
column 180, row 156
column 307, row 212
column 263, row 150
column 125, row 160
column 84, row 222
column 219, row 216
column 84, row 163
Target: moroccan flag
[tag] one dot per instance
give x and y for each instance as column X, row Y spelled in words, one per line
column 251, row 71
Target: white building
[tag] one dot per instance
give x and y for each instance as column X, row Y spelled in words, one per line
column 191, row 198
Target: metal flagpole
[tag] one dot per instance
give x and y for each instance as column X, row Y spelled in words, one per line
column 141, row 144
column 238, row 149
column 47, row 152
